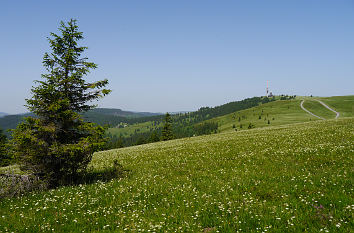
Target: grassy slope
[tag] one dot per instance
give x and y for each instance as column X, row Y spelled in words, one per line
column 290, row 178
column 130, row 129
column 283, row 112
column 343, row 104
column 278, row 113
column 318, row 109
column 147, row 126
column 224, row 121
column 286, row 112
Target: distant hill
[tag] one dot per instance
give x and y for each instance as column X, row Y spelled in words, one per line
column 100, row 116
column 3, row 114
column 284, row 112
column 11, row 121
column 120, row 112
column 146, row 129
column 256, row 112
column 112, row 117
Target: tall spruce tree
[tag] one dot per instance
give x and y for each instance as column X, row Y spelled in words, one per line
column 58, row 144
column 167, row 133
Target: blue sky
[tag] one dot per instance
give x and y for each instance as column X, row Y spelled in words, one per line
column 181, row 55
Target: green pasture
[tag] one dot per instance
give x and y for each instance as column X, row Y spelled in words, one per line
column 292, row 178
column 284, row 112
column 280, row 112
column 342, row 104
column 131, row 129
column 318, row 109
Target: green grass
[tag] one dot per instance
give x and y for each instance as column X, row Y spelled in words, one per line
column 291, row 178
column 280, row 112
column 130, row 129
column 342, row 104
column 284, row 112
column 318, row 109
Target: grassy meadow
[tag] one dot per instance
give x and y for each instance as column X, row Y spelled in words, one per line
column 283, row 112
column 280, row 112
column 137, row 127
column 291, row 178
column 276, row 113
column 343, row 104
column 318, row 109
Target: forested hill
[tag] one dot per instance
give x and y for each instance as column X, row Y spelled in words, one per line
column 11, row 121
column 149, row 129
column 100, row 116
column 205, row 113
column 113, row 117
column 120, row 112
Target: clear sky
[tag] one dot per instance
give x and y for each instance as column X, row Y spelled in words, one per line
column 181, row 55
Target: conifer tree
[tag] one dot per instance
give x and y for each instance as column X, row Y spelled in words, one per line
column 58, row 144
column 154, row 137
column 167, row 133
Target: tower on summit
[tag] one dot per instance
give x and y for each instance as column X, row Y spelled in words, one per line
column 268, row 94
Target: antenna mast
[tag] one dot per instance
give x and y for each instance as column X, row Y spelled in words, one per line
column 267, row 88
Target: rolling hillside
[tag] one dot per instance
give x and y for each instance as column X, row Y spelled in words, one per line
column 283, row 112
column 292, row 178
column 343, row 104
column 276, row 113
column 234, row 117
column 318, row 109
column 184, row 125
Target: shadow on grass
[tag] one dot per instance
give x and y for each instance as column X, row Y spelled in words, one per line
column 115, row 172
column 12, row 185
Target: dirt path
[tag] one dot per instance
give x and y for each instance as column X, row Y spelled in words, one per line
column 303, row 108
column 325, row 105
column 337, row 113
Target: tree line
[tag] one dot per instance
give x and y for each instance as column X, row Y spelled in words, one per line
column 183, row 124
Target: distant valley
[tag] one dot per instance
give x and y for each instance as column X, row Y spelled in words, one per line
column 102, row 116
